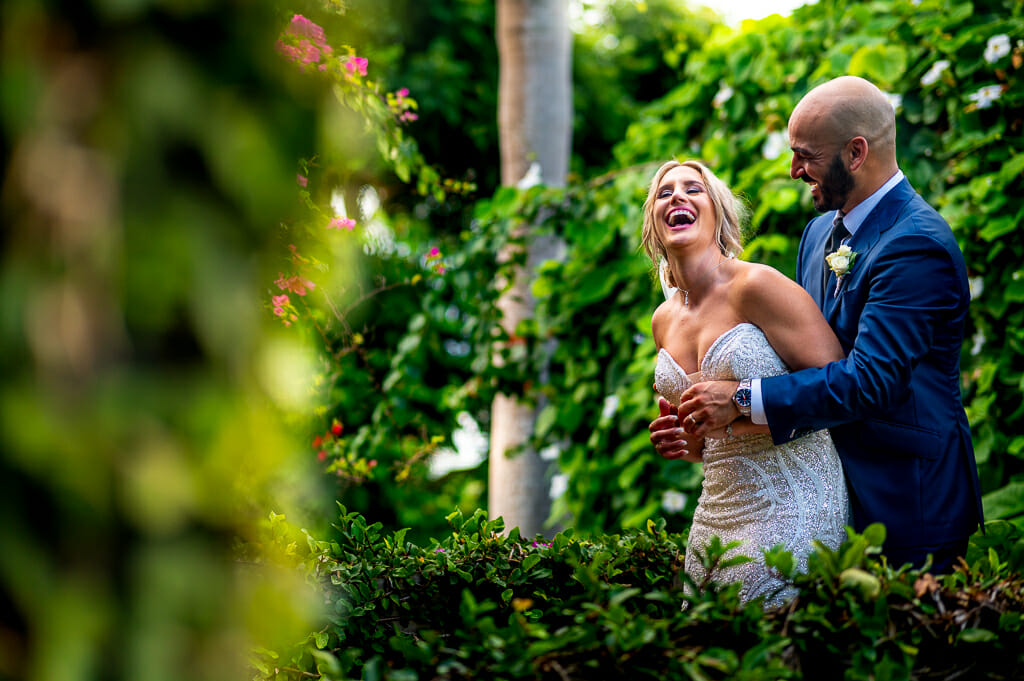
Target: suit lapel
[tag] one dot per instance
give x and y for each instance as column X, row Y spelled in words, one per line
column 880, row 219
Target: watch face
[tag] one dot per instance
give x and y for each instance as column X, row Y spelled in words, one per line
column 743, row 397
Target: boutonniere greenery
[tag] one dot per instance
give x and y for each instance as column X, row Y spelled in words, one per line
column 840, row 262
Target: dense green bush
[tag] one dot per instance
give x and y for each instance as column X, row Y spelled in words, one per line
column 479, row 604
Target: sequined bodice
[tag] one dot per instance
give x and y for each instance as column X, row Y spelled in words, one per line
column 754, row 491
column 741, row 352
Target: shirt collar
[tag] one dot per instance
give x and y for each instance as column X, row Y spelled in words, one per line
column 855, row 218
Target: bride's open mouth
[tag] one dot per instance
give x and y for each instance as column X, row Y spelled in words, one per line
column 680, row 217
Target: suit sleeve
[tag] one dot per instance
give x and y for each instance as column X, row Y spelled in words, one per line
column 915, row 292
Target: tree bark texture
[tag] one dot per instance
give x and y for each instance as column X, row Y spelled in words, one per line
column 535, row 127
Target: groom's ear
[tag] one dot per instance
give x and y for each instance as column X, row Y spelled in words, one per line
column 857, row 148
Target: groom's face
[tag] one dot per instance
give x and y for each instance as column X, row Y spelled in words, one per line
column 818, row 161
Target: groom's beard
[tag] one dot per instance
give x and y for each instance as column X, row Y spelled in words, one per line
column 835, row 187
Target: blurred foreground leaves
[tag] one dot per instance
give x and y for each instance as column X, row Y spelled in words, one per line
column 149, row 154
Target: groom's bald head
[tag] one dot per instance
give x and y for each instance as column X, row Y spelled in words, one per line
column 843, row 135
column 848, row 107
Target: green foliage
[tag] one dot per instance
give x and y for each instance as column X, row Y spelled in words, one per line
column 963, row 153
column 482, row 604
column 146, row 159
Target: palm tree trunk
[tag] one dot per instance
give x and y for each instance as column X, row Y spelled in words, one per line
column 535, row 127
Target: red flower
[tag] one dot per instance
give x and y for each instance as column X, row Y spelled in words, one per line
column 317, row 441
column 336, row 428
column 321, row 455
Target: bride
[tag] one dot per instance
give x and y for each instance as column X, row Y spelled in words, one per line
column 726, row 319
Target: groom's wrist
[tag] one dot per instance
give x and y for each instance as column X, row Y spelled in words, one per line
column 741, row 398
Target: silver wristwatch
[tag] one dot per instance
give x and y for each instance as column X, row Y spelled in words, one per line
column 742, row 397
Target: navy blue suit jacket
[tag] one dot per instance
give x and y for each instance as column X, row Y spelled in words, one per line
column 893, row 405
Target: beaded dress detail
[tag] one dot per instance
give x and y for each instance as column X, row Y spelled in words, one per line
column 754, row 491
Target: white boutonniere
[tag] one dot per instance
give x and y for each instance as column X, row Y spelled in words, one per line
column 840, row 261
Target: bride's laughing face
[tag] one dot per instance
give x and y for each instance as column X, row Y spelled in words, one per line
column 683, row 210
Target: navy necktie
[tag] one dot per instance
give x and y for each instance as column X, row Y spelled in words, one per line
column 835, row 239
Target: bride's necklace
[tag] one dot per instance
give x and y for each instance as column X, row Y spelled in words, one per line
column 686, row 292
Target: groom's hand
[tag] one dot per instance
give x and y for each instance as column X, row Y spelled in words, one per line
column 709, row 407
column 669, row 439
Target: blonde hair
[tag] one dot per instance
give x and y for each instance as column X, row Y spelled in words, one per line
column 730, row 212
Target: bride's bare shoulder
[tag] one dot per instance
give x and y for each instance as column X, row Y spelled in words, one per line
column 755, row 279
column 661, row 319
column 758, row 289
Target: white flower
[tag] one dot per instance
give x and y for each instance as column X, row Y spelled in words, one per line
column 673, row 501
column 998, row 47
column 722, row 96
column 976, row 286
column 532, row 177
column 934, row 73
column 611, row 405
column 986, row 95
column 895, row 100
column 840, row 260
column 559, row 484
column 774, row 145
column 979, row 342
column 549, row 453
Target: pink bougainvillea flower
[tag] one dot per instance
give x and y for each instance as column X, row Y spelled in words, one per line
column 301, row 179
column 339, row 222
column 294, row 283
column 354, row 65
column 434, row 252
column 281, row 300
column 303, row 42
column 303, row 26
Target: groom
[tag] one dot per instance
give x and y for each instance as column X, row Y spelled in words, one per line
column 893, row 405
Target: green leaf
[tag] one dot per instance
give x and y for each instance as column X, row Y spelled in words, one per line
column 1012, row 169
column 875, row 534
column 1005, row 502
column 883, row 64
column 978, row 635
column 997, row 227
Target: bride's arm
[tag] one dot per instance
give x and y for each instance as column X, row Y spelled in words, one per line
column 793, row 325
column 789, row 317
column 741, row 426
column 668, row 438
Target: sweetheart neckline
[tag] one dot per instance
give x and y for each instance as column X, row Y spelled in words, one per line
column 714, row 343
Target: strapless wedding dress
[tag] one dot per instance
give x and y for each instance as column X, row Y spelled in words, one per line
column 754, row 491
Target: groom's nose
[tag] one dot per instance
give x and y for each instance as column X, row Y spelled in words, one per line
column 796, row 168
